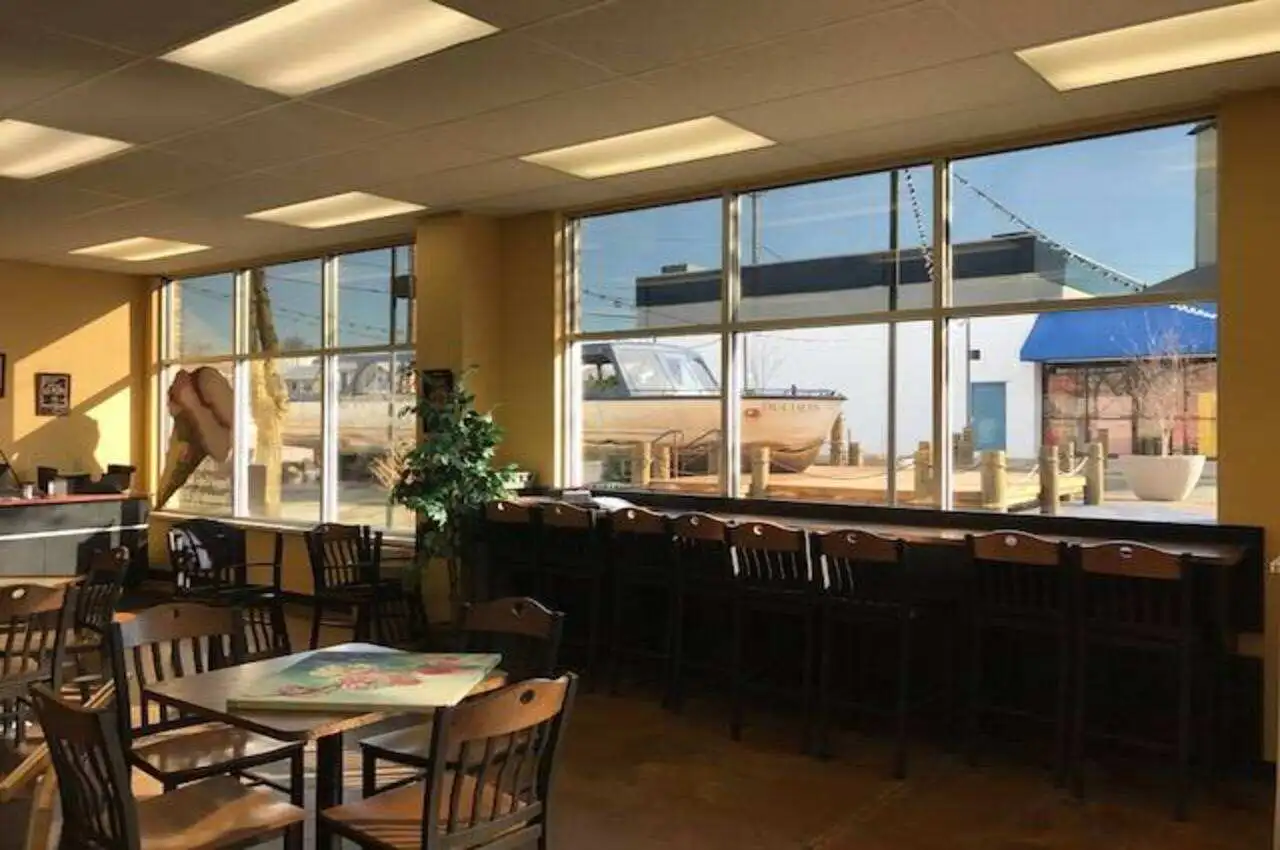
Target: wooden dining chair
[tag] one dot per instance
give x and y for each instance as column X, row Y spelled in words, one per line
column 266, row 630
column 573, row 572
column 34, row 622
column 490, row 784
column 170, row 641
column 706, row 587
column 1020, row 590
column 869, row 587
column 345, row 574
column 97, row 596
column 644, row 606
column 210, row 563
column 1136, row 599
column 523, row 631
column 99, row 810
column 398, row 618
column 776, row 584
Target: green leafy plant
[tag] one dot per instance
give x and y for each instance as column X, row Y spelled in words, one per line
column 449, row 476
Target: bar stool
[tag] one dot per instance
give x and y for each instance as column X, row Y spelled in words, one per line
column 644, row 591
column 869, row 587
column 572, row 569
column 1020, row 586
column 510, row 542
column 1135, row 598
column 706, row 587
column 775, row 576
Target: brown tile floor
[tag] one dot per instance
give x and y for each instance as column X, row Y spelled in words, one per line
column 636, row 777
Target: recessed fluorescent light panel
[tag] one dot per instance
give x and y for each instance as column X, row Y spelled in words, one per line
column 336, row 210
column 312, row 44
column 30, row 150
column 1171, row 44
column 140, row 249
column 701, row 138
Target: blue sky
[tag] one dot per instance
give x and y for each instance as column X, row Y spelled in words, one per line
column 1126, row 201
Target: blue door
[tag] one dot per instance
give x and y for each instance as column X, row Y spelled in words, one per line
column 988, row 415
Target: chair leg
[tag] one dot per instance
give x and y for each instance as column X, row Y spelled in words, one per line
column 1185, row 670
column 903, row 707
column 294, row 837
column 1061, row 722
column 675, row 664
column 807, row 685
column 973, row 702
column 824, row 688
column 736, row 672
column 297, row 780
column 594, row 618
column 1078, row 716
column 668, row 649
column 368, row 773
column 317, row 611
column 615, row 638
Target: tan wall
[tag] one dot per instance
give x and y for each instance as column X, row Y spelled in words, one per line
column 1249, row 308
column 93, row 326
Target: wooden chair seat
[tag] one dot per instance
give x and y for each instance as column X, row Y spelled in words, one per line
column 206, row 750
column 214, row 813
column 394, row 818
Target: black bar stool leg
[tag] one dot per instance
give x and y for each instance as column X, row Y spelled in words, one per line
column 824, row 687
column 1185, row 669
column 810, row 668
column 1078, row 716
column 736, row 672
column 973, row 703
column 675, row 671
column 615, row 638
column 1061, row 722
column 903, row 707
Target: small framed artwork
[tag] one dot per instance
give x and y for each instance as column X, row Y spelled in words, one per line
column 436, row 385
column 53, row 394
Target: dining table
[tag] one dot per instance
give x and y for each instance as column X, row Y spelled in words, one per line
column 205, row 695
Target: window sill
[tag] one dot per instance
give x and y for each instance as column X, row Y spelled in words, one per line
column 284, row 526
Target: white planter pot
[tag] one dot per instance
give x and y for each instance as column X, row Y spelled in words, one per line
column 1157, row 478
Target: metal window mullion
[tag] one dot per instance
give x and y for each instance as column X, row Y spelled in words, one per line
column 891, row 361
column 731, row 365
column 941, row 455
column 329, row 391
column 572, row 469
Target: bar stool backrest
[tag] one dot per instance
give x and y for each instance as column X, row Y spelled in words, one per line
column 702, row 549
column 861, row 566
column 1016, row 574
column 771, row 557
column 568, row 538
column 342, row 554
column 641, row 541
column 1131, row 587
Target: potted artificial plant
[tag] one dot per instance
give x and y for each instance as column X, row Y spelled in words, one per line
column 1155, row 382
column 448, row 477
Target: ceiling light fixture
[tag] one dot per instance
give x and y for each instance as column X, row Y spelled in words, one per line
column 31, row 150
column 1170, row 44
column 313, row 44
column 139, row 249
column 336, row 210
column 687, row 141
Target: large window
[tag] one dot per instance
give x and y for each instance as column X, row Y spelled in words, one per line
column 316, row 361
column 1028, row 330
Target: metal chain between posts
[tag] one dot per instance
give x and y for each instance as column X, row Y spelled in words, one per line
column 926, row 250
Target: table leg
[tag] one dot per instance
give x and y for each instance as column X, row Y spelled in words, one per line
column 328, row 784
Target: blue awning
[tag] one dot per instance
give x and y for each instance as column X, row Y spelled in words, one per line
column 1120, row 333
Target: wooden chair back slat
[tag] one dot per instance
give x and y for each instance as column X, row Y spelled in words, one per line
column 399, row 618
column 1020, row 575
column 98, row 806
column 266, row 631
column 34, row 620
column 493, row 759
column 524, row 631
column 771, row 556
column 863, row 566
column 167, row 642
column 1130, row 587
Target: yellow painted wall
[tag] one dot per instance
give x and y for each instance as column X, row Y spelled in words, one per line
column 1249, row 309
column 93, row 326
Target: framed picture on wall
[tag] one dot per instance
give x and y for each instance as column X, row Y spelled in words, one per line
column 53, row 394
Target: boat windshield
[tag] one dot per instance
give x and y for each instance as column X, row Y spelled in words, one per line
column 664, row 371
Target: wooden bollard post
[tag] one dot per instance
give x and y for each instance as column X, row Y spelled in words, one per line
column 1048, row 480
column 1095, row 475
column 923, row 468
column 1104, row 439
column 995, row 480
column 641, row 464
column 760, row 461
column 713, row 459
column 661, row 462
column 1067, row 455
column 837, row 457
column 855, row 454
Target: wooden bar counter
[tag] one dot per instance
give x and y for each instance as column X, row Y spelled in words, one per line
column 53, row 535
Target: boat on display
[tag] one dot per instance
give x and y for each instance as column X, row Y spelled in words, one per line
column 662, row 394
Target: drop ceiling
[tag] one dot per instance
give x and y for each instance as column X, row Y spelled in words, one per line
column 829, row 80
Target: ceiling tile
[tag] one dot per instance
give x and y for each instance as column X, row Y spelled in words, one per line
column 609, row 109
column 473, row 182
column 144, row 26
column 278, row 135
column 242, row 195
column 630, row 36
column 506, row 14
column 35, row 63
column 142, row 173
column 147, row 102
column 893, row 42
column 161, row 219
column 581, row 194
column 30, row 200
column 962, row 85
column 465, row 80
column 390, row 158
column 1011, row 25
